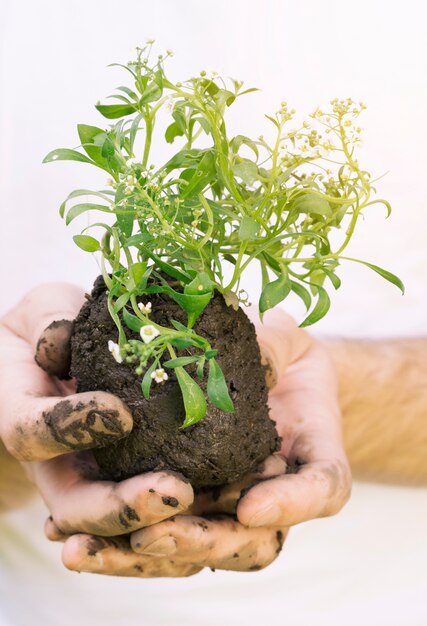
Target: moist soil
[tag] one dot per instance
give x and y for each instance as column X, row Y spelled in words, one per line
column 216, row 451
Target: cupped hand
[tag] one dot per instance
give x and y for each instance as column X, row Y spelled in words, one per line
column 309, row 478
column 50, row 428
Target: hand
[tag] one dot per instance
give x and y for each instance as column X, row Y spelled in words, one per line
column 310, row 478
column 314, row 482
column 44, row 424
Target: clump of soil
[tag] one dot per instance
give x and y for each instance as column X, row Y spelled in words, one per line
column 217, row 450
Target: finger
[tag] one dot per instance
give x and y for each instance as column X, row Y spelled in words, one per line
column 224, row 499
column 106, row 508
column 53, row 349
column 308, row 417
column 113, row 557
column 52, row 532
column 218, row 542
column 42, row 306
column 39, row 423
column 281, row 343
column 40, row 428
column 318, row 489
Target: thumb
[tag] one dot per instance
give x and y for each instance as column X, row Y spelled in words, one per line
column 53, row 349
column 44, row 318
column 61, row 304
column 281, row 343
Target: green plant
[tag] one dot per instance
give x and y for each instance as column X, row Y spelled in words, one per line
column 218, row 202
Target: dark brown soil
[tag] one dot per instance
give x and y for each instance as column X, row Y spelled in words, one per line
column 219, row 449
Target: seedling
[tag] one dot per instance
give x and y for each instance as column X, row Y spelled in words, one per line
column 218, row 206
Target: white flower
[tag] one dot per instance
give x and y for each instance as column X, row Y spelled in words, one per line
column 145, row 308
column 110, row 182
column 148, row 333
column 130, row 183
column 159, row 375
column 114, row 348
column 131, row 161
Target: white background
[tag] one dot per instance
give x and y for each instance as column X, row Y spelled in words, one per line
column 367, row 566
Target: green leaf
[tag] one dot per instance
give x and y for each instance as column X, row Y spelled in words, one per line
column 194, row 399
column 249, row 228
column 246, row 170
column 302, row 293
column 115, row 111
column 217, row 388
column 201, row 176
column 78, row 209
column 274, row 293
column 210, row 86
column 180, row 343
column 180, row 361
column 88, row 133
column 135, row 240
column 134, row 129
column 184, row 158
column 179, row 326
column 128, row 91
column 392, row 278
column 138, row 270
column 132, row 322
column 311, row 203
column 223, row 98
column 147, row 380
column 152, row 93
column 65, row 154
column 192, row 305
column 202, row 284
column 91, row 137
column 121, row 302
column 86, row 243
column 321, row 308
column 172, row 132
column 240, row 140
column 210, row 354
column 81, row 192
column 335, row 280
column 107, row 149
column 170, row 270
column 200, row 368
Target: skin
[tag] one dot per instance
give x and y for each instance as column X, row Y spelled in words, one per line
column 168, row 531
column 383, row 396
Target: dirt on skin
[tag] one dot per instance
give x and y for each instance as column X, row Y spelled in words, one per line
column 217, row 450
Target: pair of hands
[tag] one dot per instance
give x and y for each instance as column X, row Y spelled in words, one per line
column 153, row 524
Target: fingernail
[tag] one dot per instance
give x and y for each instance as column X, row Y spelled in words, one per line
column 164, row 546
column 266, row 517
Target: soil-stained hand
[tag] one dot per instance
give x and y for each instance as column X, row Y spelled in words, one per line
column 41, row 418
column 115, row 557
column 309, row 478
column 304, row 405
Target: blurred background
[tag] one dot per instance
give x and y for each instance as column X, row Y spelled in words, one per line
column 366, row 566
